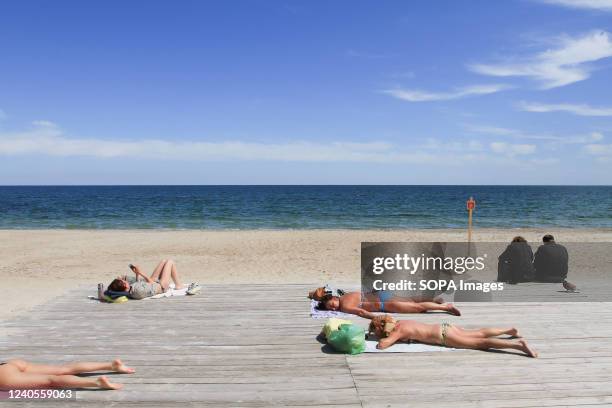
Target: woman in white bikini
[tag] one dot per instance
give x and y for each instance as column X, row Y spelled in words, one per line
column 389, row 331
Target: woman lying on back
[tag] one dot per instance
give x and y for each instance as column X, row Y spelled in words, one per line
column 145, row 286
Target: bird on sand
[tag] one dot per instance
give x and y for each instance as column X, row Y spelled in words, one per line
column 569, row 287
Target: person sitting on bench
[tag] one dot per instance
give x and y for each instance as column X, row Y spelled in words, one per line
column 550, row 261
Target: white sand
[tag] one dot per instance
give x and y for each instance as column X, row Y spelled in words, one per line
column 39, row 265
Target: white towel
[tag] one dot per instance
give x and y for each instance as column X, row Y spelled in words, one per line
column 323, row 314
column 405, row 348
column 170, row 292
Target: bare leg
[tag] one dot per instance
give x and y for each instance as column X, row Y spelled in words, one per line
column 489, row 332
column 72, row 368
column 169, row 272
column 394, row 306
column 455, row 339
column 158, row 269
column 13, row 378
column 175, row 277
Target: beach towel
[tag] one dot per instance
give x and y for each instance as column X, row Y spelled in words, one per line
column 406, row 348
column 171, row 292
column 324, row 314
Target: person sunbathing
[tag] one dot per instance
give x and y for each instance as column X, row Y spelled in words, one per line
column 21, row 374
column 158, row 282
column 389, row 331
column 383, row 301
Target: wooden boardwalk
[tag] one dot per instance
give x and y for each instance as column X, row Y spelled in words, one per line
column 254, row 345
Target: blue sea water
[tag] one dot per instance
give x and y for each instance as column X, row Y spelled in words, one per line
column 302, row 207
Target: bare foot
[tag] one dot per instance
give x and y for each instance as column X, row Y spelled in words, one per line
column 107, row 385
column 450, row 308
column 528, row 350
column 513, row 332
column 119, row 367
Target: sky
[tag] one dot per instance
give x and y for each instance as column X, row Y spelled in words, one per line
column 306, row 92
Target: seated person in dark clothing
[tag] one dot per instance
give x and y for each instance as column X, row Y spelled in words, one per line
column 516, row 262
column 551, row 261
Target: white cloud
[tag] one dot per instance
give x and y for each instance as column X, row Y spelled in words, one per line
column 44, row 124
column 45, row 138
column 2, row 115
column 576, row 109
column 453, row 146
column 560, row 66
column 599, row 149
column 413, row 95
column 603, row 5
column 512, row 149
column 518, row 134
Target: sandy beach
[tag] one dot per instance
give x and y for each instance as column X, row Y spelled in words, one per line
column 42, row 264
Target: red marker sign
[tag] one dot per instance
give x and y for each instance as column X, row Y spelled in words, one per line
column 471, row 205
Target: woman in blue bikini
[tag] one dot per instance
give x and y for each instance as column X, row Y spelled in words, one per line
column 383, row 301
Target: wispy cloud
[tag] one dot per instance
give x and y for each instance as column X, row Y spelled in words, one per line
column 601, row 152
column 563, row 65
column 414, row 95
column 576, row 109
column 49, row 140
column 519, row 134
column 603, row 5
column 45, row 138
column 512, row 149
column 2, row 115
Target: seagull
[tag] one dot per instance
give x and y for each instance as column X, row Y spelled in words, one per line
column 569, row 287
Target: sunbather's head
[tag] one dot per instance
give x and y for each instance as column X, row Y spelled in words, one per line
column 329, row 302
column 317, row 294
column 519, row 239
column 119, row 285
column 382, row 325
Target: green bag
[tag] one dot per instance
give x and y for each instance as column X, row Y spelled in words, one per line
column 349, row 338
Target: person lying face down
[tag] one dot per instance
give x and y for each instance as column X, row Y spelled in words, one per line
column 377, row 302
column 389, row 331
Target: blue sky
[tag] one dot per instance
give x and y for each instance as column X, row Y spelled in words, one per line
column 306, row 92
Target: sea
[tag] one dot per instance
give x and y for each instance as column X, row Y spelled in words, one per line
column 302, row 207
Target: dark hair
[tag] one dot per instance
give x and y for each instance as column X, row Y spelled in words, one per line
column 116, row 285
column 518, row 238
column 322, row 305
column 548, row 238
